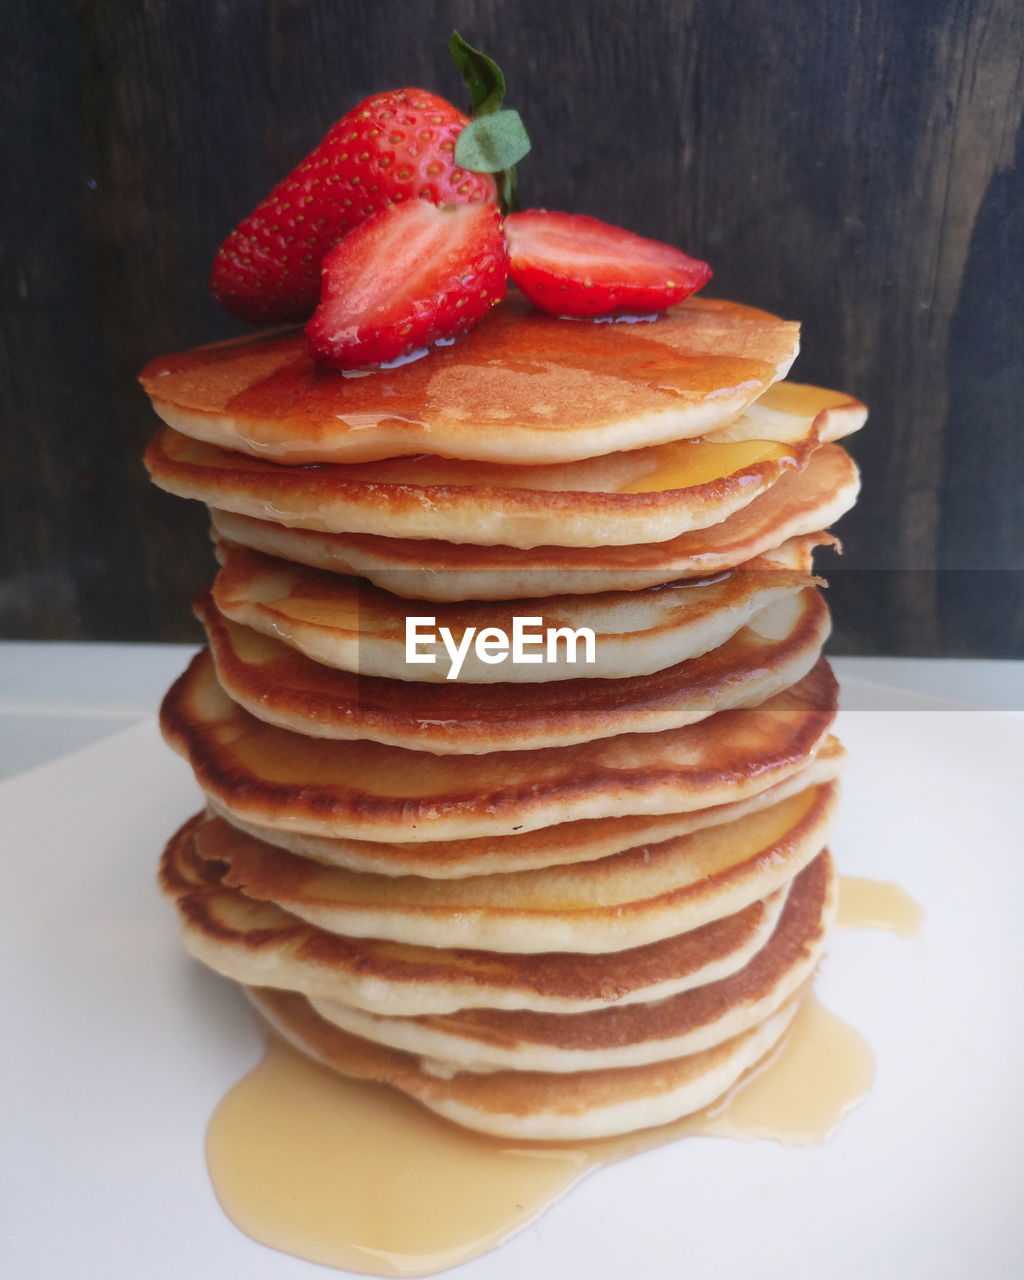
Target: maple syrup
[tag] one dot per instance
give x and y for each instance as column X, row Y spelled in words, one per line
column 877, row 904
column 270, row 399
column 358, row 1176
column 801, row 398
column 704, row 461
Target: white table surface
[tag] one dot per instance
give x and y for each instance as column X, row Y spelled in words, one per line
column 122, row 1046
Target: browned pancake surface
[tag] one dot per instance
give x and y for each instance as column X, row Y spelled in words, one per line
column 627, row 899
column 798, row 934
column 582, row 841
column 532, row 1104
column 245, row 938
column 644, row 495
column 344, row 621
column 283, row 687
column 520, row 387
column 393, row 497
column 366, row 789
column 799, row 503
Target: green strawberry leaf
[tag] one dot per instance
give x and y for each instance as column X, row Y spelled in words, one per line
column 492, row 143
column 496, row 139
column 482, row 75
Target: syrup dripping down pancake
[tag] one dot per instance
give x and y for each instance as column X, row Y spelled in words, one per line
column 569, row 842
column 625, row 1035
column 275, row 684
column 345, row 622
column 258, row 943
column 325, row 787
column 647, row 495
column 533, row 1104
column 521, row 387
column 800, row 503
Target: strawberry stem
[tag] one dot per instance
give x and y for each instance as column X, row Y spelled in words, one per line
column 496, row 139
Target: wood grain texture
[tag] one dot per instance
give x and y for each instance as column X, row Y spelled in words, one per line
column 856, row 165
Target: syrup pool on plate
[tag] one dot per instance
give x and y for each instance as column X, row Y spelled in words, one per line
column 357, row 1176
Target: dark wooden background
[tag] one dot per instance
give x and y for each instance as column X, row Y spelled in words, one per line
column 855, row 164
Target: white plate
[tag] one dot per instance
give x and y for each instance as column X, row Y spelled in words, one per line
column 117, row 1048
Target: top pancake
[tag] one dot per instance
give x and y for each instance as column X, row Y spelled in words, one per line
column 521, row 387
column 643, row 495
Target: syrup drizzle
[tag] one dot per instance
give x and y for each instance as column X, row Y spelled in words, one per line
column 357, row 1176
column 704, row 461
column 877, row 904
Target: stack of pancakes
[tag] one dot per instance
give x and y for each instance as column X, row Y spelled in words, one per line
column 555, row 899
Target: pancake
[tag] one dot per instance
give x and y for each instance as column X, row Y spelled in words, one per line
column 258, row 943
column 281, row 687
column 570, row 842
column 522, row 387
column 625, row 1035
column 646, row 495
column 368, row 790
column 801, row 502
column 626, row 900
column 345, row 622
column 533, row 1104
column 782, row 412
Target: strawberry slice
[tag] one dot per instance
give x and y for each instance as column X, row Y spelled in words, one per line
column 572, row 265
column 406, row 277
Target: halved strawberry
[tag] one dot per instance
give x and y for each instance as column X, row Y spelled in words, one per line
column 405, row 278
column 572, row 265
column 390, row 147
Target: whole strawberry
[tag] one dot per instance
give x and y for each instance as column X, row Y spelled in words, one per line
column 391, row 147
